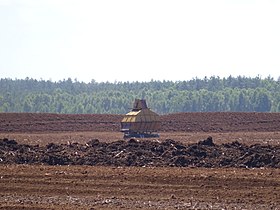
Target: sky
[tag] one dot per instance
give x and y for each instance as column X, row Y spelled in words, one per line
column 128, row 40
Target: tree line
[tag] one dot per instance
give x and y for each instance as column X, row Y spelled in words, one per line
column 214, row 94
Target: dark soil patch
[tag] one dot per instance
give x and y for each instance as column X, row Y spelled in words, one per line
column 142, row 153
column 176, row 122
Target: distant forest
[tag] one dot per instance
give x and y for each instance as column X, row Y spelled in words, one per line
column 214, row 94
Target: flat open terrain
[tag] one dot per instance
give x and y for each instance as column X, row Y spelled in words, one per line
column 40, row 186
column 84, row 187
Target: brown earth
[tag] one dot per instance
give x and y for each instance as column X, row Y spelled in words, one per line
column 179, row 122
column 87, row 187
column 241, row 142
column 145, row 153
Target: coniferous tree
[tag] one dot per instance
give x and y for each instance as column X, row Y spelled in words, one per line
column 196, row 95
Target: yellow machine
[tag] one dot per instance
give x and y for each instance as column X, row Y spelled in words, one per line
column 140, row 121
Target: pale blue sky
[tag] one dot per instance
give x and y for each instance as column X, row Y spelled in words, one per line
column 111, row 40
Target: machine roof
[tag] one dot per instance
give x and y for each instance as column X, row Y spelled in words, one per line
column 144, row 115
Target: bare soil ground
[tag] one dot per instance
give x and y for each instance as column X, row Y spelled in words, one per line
column 254, row 136
column 186, row 122
column 85, row 187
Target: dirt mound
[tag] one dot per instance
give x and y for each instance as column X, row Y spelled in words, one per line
column 142, row 153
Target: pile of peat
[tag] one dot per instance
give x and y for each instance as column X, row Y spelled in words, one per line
column 142, row 153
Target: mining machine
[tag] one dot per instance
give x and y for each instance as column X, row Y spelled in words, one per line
column 140, row 122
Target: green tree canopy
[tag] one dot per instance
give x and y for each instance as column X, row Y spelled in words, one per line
column 212, row 94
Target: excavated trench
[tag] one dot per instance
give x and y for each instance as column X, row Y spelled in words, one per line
column 143, row 153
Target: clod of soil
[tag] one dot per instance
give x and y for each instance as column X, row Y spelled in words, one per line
column 133, row 152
